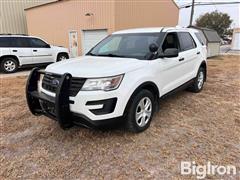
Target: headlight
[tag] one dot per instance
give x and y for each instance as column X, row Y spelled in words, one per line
column 104, row 84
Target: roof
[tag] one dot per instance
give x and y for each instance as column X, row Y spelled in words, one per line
column 18, row 35
column 140, row 30
column 152, row 30
column 210, row 34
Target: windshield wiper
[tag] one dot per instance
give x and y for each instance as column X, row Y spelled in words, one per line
column 91, row 54
column 110, row 55
column 106, row 55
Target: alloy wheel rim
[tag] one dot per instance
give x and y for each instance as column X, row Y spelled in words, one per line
column 143, row 111
column 9, row 66
column 200, row 79
column 62, row 58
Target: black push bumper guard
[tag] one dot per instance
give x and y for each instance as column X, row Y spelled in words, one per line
column 60, row 102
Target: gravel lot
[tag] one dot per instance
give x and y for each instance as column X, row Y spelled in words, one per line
column 188, row 127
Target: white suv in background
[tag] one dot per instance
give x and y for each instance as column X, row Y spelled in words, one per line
column 21, row 50
column 120, row 79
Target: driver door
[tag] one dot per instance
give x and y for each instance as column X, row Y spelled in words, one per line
column 169, row 71
column 42, row 52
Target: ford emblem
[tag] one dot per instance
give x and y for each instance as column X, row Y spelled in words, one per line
column 55, row 82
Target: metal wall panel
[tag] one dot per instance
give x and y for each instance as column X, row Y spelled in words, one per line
column 12, row 15
column 54, row 21
column 143, row 13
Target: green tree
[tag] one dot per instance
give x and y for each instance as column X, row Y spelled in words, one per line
column 218, row 21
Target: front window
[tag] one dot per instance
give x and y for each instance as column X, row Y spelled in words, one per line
column 133, row 45
column 38, row 43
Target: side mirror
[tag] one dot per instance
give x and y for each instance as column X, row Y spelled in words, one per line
column 170, row 52
column 153, row 48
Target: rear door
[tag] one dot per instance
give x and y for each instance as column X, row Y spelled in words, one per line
column 21, row 48
column 189, row 54
column 42, row 52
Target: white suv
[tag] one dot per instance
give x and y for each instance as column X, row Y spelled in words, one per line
column 21, row 50
column 121, row 79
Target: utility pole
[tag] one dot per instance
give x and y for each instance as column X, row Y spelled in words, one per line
column 192, row 13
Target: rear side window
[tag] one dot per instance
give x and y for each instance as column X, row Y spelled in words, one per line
column 5, row 42
column 199, row 37
column 18, row 42
column 186, row 41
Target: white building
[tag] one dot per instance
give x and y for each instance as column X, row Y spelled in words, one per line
column 236, row 39
column 211, row 39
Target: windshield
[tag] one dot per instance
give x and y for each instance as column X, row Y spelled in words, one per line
column 134, row 45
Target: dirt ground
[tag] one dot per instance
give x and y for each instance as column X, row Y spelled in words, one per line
column 188, row 127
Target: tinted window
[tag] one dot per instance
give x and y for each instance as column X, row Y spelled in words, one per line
column 186, row 41
column 38, row 43
column 5, row 42
column 199, row 37
column 19, row 42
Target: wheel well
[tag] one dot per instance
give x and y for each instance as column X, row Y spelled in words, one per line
column 10, row 56
column 152, row 87
column 204, row 65
column 63, row 53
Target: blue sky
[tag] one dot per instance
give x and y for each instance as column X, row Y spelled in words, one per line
column 233, row 10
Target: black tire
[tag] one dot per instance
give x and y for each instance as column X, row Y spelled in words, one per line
column 131, row 122
column 62, row 56
column 9, row 65
column 196, row 87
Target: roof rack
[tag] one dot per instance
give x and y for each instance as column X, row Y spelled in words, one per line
column 13, row 34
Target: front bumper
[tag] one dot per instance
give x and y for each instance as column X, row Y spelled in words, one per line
column 58, row 107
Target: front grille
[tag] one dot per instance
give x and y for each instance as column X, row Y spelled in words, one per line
column 49, row 83
column 48, row 107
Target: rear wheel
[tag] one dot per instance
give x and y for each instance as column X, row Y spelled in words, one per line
column 140, row 112
column 9, row 65
column 62, row 56
column 197, row 86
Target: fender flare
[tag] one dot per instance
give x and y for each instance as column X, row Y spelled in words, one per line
column 149, row 85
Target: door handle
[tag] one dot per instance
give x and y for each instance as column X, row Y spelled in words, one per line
column 181, row 59
column 198, row 52
column 14, row 50
column 34, row 50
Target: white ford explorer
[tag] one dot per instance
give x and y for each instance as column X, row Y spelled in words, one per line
column 21, row 50
column 121, row 79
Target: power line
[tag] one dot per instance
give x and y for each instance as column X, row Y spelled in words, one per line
column 214, row 5
column 207, row 4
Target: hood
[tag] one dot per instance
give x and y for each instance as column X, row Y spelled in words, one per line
column 92, row 66
column 59, row 48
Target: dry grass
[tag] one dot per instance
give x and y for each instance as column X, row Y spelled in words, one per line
column 189, row 127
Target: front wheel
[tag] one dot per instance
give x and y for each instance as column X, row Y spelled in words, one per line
column 62, row 56
column 140, row 112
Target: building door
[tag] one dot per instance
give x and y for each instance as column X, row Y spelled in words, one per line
column 91, row 38
column 73, row 44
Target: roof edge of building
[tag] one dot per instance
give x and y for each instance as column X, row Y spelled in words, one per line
column 65, row 0
column 44, row 4
column 175, row 4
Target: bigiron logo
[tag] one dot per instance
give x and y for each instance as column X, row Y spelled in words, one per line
column 201, row 171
